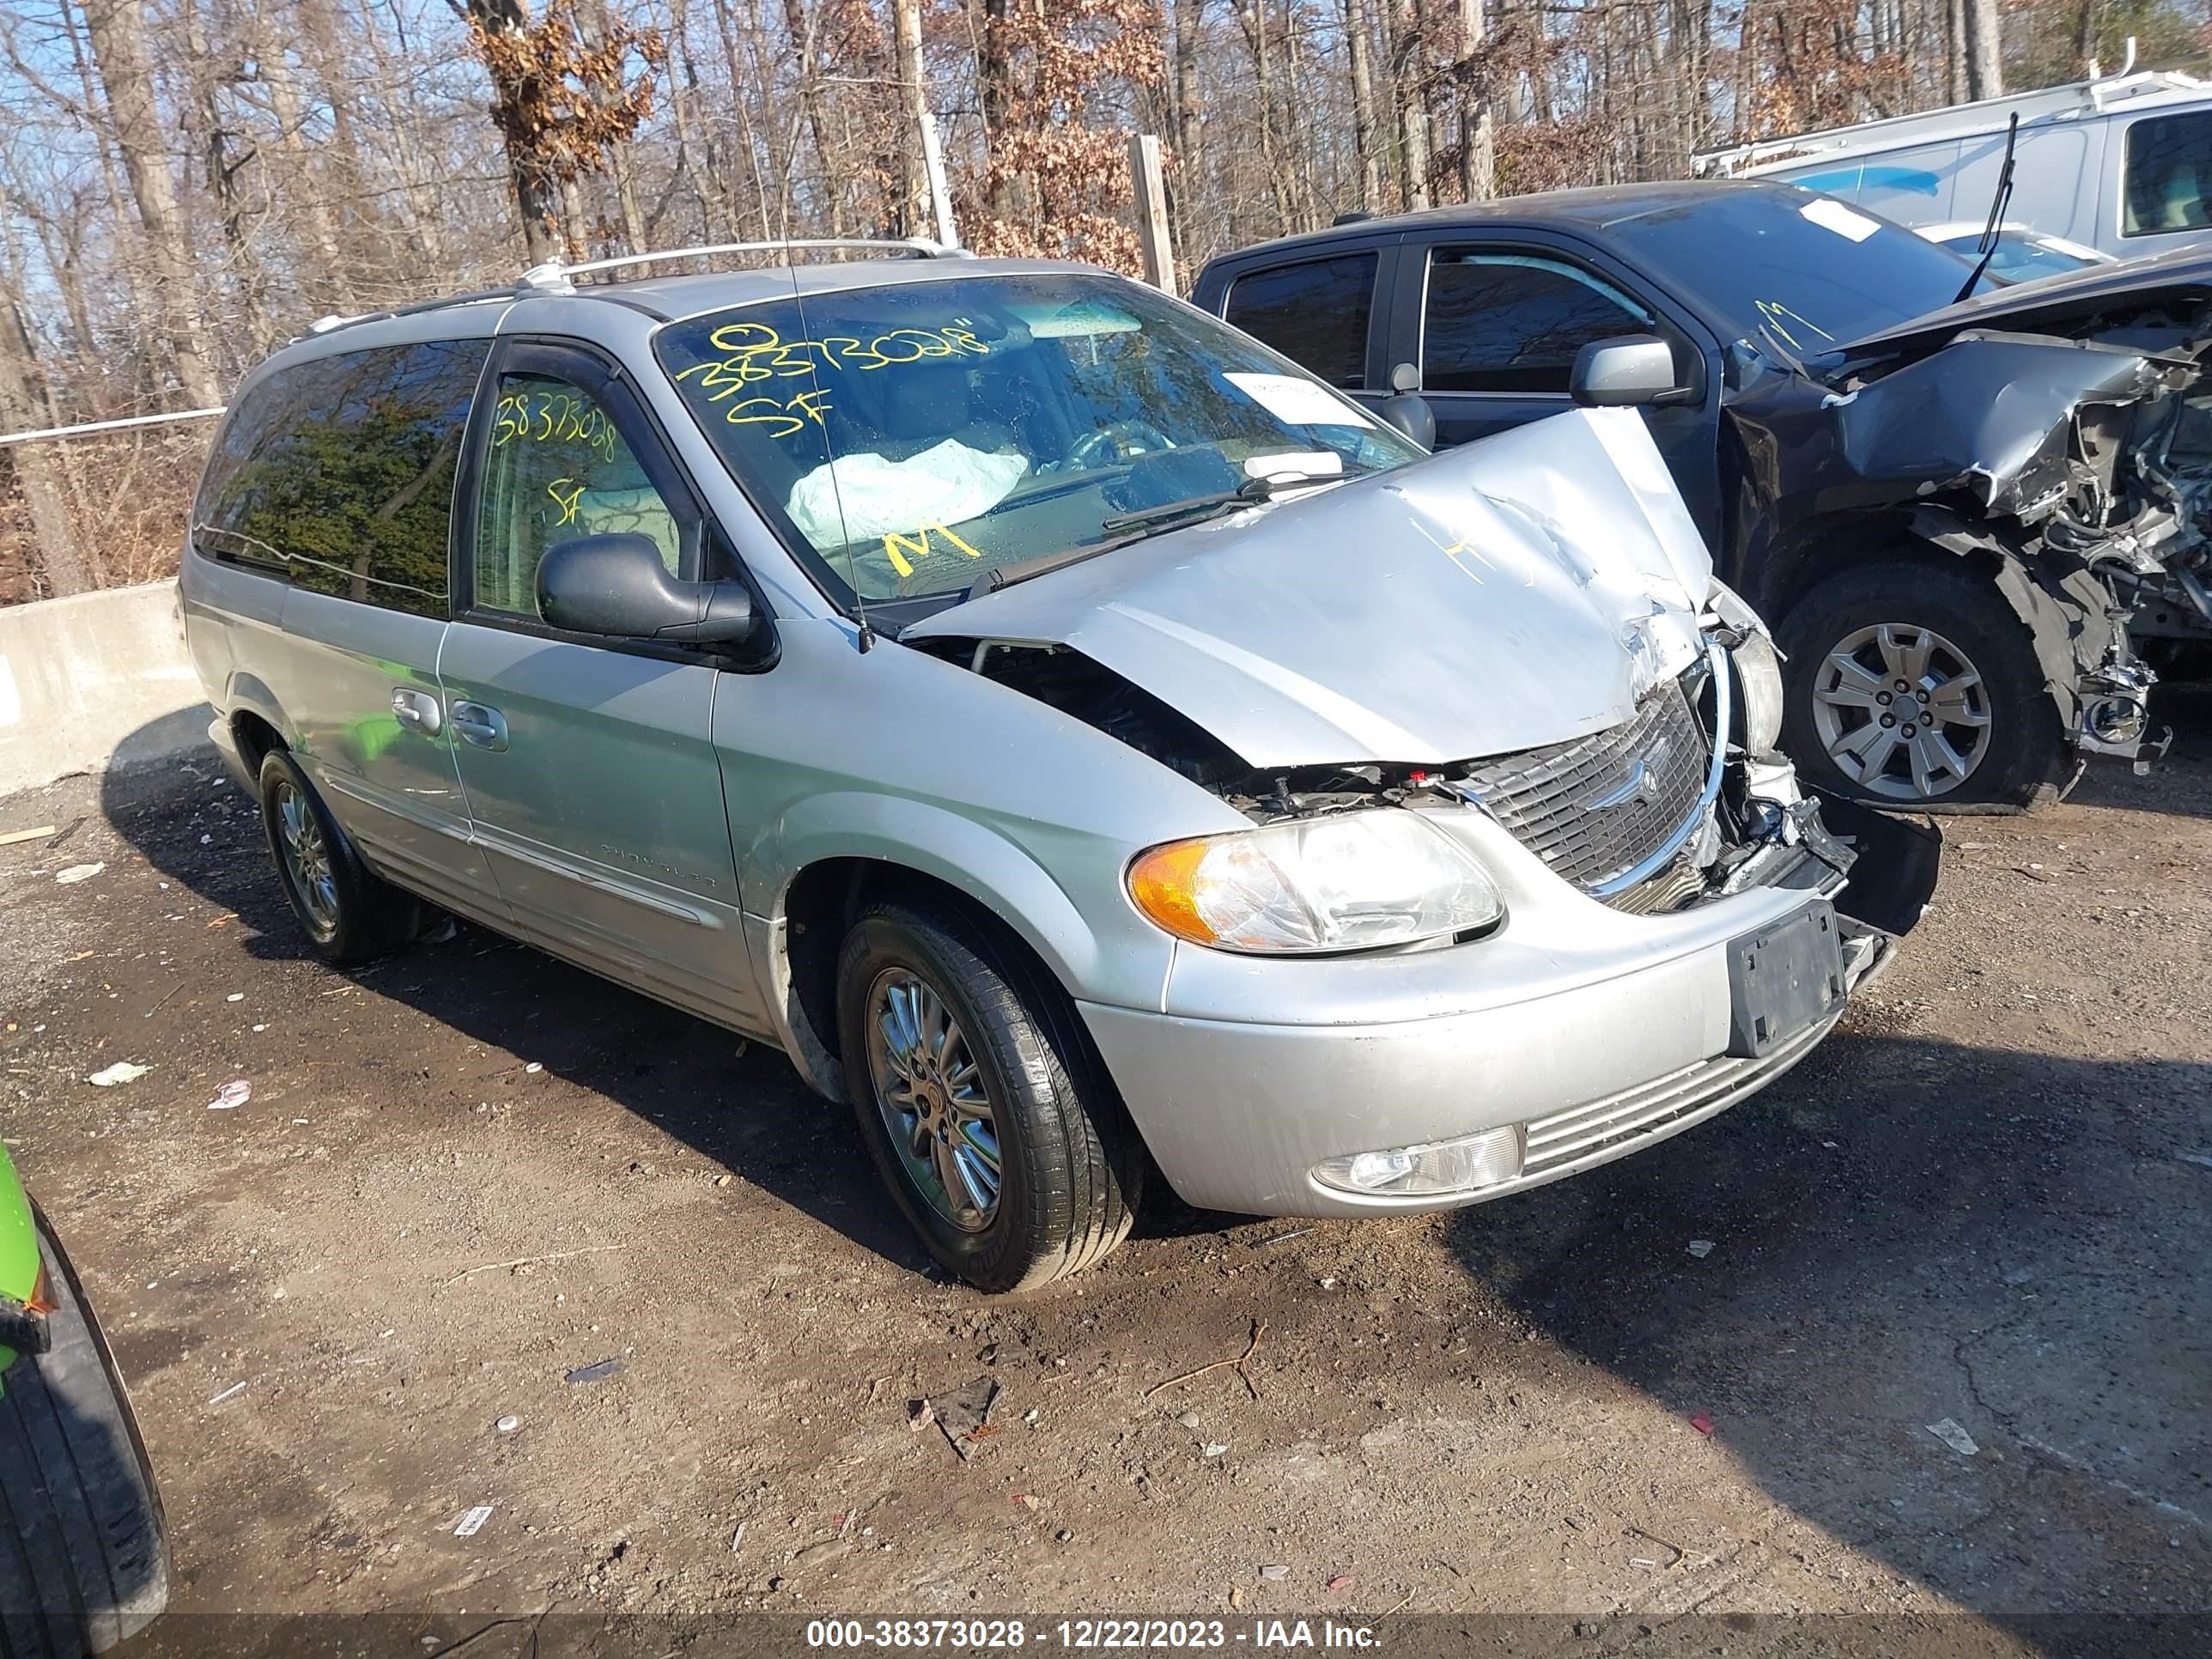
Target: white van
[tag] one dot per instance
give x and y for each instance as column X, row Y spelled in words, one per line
column 2121, row 163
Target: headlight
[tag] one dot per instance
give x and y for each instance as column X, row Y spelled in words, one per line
column 1350, row 881
column 1759, row 670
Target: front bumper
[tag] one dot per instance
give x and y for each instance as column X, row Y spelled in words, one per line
column 1600, row 1032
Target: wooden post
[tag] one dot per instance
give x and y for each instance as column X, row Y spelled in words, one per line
column 1153, row 212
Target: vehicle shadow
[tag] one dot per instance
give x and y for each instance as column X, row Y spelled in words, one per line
column 742, row 1106
column 1905, row 1233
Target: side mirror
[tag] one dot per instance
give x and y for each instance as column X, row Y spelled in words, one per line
column 1626, row 370
column 616, row 585
column 1409, row 412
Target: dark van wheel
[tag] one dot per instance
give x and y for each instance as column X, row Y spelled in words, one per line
column 347, row 914
column 83, row 1559
column 1912, row 684
column 979, row 1096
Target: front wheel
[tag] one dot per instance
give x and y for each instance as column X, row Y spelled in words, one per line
column 980, row 1099
column 1913, row 685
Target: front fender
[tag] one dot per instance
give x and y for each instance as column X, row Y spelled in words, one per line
column 1127, row 966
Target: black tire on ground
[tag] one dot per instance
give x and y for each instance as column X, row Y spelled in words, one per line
column 2024, row 763
column 366, row 916
column 83, row 1553
column 1072, row 1165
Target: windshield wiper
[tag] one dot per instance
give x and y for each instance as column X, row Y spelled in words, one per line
column 1993, row 232
column 1150, row 522
column 1250, row 492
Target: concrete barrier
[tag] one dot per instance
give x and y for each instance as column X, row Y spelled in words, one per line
column 95, row 681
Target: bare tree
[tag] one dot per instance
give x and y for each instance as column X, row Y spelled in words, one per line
column 117, row 29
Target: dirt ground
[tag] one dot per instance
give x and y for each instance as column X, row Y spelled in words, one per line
column 468, row 1172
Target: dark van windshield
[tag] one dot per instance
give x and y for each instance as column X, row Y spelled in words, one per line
column 1814, row 271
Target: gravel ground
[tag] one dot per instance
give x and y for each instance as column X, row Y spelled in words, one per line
column 468, row 1172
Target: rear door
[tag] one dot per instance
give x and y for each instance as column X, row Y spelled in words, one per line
column 1322, row 311
column 342, row 479
column 592, row 781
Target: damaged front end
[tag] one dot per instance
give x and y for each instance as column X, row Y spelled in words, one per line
column 1532, row 631
column 2080, row 463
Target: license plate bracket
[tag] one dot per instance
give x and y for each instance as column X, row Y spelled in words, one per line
column 1783, row 979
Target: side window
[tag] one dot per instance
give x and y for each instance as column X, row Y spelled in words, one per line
column 1513, row 322
column 1314, row 313
column 340, row 473
column 2169, row 163
column 557, row 468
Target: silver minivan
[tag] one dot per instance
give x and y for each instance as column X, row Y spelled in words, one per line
column 1082, row 739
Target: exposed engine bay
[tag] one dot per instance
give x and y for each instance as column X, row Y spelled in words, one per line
column 1530, row 628
column 2082, row 457
column 1656, row 816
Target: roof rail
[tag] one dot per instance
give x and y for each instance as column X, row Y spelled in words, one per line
column 474, row 296
column 555, row 277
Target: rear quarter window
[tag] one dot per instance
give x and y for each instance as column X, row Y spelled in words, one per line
column 339, row 473
column 1314, row 312
column 2169, row 163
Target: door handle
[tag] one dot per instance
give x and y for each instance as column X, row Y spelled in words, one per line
column 415, row 710
column 485, row 727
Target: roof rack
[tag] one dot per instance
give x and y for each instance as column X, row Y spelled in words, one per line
column 556, row 278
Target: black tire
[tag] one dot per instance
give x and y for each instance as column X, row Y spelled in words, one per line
column 2023, row 761
column 83, row 1553
column 357, row 915
column 1070, row 1163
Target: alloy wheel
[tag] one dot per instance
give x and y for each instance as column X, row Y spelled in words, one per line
column 929, row 1090
column 307, row 859
column 1902, row 711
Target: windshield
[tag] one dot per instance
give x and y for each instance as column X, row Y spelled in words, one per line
column 916, row 437
column 2017, row 258
column 1811, row 270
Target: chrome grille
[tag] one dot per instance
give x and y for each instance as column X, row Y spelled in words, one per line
column 1596, row 807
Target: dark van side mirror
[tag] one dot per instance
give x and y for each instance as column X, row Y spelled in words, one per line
column 616, row 585
column 1626, row 370
column 1409, row 413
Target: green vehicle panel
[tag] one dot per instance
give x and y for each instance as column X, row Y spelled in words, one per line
column 18, row 1252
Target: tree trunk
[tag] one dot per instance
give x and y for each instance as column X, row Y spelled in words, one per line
column 1190, row 124
column 23, row 405
column 332, row 276
column 1258, row 26
column 913, row 217
column 117, row 29
column 2085, row 35
column 1985, row 50
column 1406, row 68
column 1360, row 44
column 801, row 27
column 621, row 160
column 1477, row 162
column 713, row 206
column 211, row 138
column 546, row 211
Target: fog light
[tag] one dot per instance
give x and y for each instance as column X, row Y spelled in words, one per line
column 2116, row 720
column 1439, row 1168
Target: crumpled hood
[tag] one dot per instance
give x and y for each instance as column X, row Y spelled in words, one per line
column 1989, row 413
column 1524, row 590
column 2060, row 304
